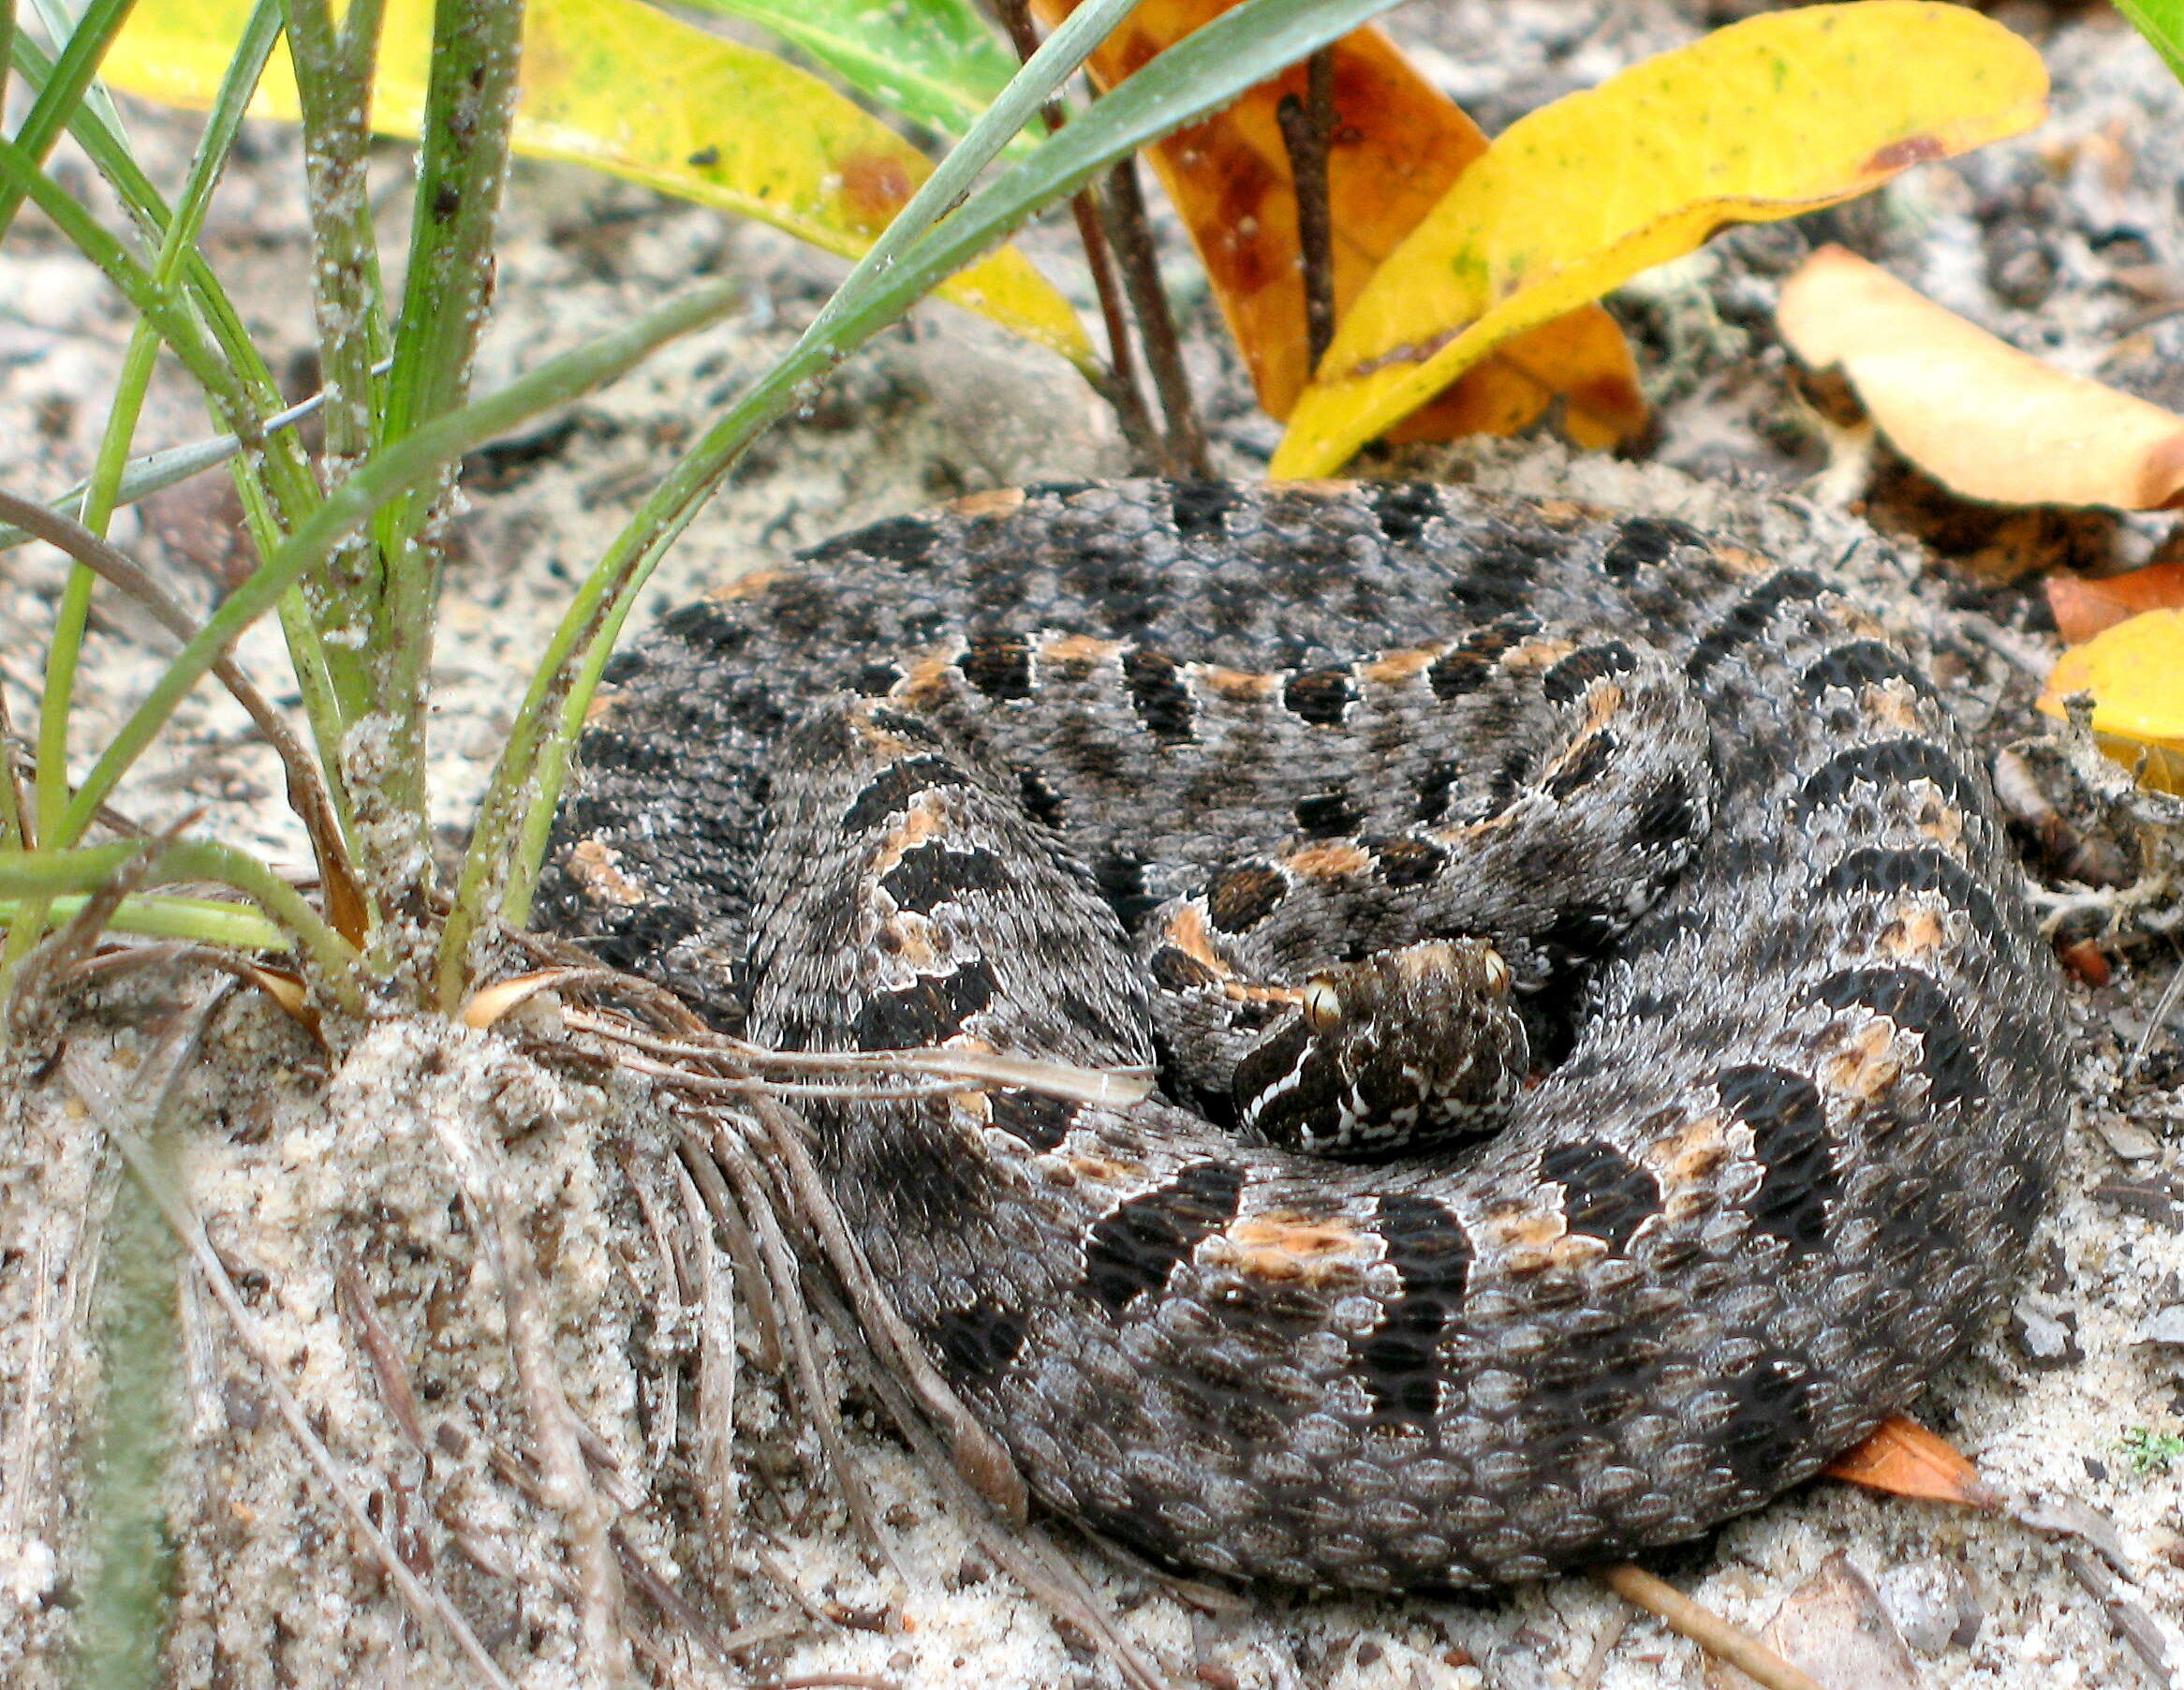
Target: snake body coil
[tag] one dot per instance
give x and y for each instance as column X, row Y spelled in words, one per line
column 1091, row 772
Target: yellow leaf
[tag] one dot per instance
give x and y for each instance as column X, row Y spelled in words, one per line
column 1972, row 411
column 2135, row 673
column 1779, row 114
column 627, row 90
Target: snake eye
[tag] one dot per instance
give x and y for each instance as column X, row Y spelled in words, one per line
column 1322, row 1003
column 1496, row 973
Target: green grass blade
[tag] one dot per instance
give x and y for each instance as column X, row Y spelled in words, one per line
column 198, row 920
column 56, row 105
column 177, row 243
column 936, row 62
column 390, row 474
column 447, row 297
column 2161, row 22
column 157, row 470
column 126, row 1603
column 48, row 874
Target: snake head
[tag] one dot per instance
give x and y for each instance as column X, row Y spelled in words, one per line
column 1410, row 1047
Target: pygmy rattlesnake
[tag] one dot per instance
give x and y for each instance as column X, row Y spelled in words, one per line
column 1095, row 772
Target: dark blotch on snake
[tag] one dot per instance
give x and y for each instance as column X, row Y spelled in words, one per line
column 1569, row 679
column 1771, row 1423
column 1431, row 1255
column 1327, row 815
column 1594, row 756
column 1931, row 873
column 1641, row 541
column 933, row 1009
column 1320, row 696
column 927, row 876
column 1199, row 507
column 1038, row 1121
column 1135, row 1249
column 1789, row 1141
column 1159, row 695
column 998, row 664
column 1404, row 860
column 979, row 1342
column 1749, row 619
column 1605, row 1195
column 1860, row 663
column 1885, row 763
column 890, row 792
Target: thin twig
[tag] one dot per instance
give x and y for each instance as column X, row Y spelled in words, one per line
column 743, row 1246
column 1306, row 125
column 716, row 1368
column 762, row 1209
column 1123, row 215
column 1120, row 389
column 1704, row 1627
column 381, row 1354
column 1117, row 1088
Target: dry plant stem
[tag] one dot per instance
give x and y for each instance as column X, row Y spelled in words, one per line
column 1123, row 213
column 727, row 1213
column 716, row 1368
column 306, row 787
column 979, row 1455
column 1120, row 387
column 762, row 1209
column 2158, row 1020
column 566, row 1482
column 1047, row 1576
column 381, row 1354
column 2127, row 1619
column 1305, row 126
column 429, row 1606
column 670, row 1298
column 722, row 1647
column 1115, row 1086
column 1596, row 1662
column 1708, row 1629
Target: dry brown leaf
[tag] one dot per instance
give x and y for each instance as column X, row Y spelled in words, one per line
column 2082, row 608
column 1398, row 144
column 1903, row 1458
column 1981, row 417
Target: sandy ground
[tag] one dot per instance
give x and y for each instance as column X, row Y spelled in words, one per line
column 372, row 1215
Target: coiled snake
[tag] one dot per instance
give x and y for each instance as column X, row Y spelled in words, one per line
column 1119, row 772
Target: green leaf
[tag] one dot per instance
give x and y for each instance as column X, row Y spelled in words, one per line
column 2161, row 22
column 936, row 62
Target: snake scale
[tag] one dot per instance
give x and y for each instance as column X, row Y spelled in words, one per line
column 1053, row 772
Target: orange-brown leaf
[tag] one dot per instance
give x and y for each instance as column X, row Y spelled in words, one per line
column 1399, row 143
column 1903, row 1458
column 2082, row 608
